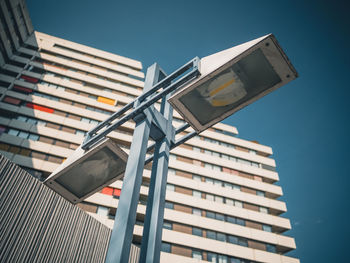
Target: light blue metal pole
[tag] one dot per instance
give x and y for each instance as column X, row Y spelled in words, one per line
column 122, row 233
column 152, row 229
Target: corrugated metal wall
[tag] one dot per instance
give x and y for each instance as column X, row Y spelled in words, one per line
column 38, row 225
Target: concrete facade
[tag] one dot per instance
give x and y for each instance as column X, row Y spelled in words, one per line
column 222, row 200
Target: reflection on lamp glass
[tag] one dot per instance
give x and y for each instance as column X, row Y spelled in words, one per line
column 231, row 88
column 223, row 90
column 93, row 172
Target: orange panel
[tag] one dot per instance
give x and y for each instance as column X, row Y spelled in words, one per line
column 107, row 191
column 38, row 107
column 106, row 100
column 116, row 192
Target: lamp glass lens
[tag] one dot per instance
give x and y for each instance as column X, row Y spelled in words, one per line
column 92, row 172
column 247, row 78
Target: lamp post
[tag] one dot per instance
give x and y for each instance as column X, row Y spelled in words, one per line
column 205, row 92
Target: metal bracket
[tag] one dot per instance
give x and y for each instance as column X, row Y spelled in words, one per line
column 159, row 125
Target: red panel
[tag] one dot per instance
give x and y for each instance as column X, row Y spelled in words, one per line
column 11, row 100
column 107, row 191
column 22, row 89
column 2, row 129
column 116, row 192
column 38, row 107
column 30, row 79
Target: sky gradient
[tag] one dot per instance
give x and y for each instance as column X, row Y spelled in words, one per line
column 305, row 122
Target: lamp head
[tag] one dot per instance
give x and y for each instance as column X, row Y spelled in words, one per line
column 85, row 173
column 231, row 80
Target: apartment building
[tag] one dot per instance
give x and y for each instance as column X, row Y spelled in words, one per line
column 222, row 203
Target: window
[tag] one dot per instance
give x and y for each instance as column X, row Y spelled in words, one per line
column 223, row 259
column 228, row 185
column 252, row 152
column 22, row 118
column 220, row 217
column 80, row 133
column 209, row 180
column 101, row 210
column 197, row 194
column 231, row 219
column 224, row 156
column 208, row 152
column 172, row 157
column 196, row 149
column 85, row 120
column 215, row 154
column 23, row 134
column 196, row 211
column 41, row 123
column 217, row 183
column 166, row 247
column 13, row 132
column 267, row 228
column 270, row 248
column 33, row 137
column 232, row 239
column 169, row 205
column 197, row 178
column 238, row 204
column 197, row 231
column 263, row 210
column 219, row 199
column 94, row 122
column 208, row 165
column 242, row 242
column 255, row 164
column 210, row 214
column 209, row 197
column 233, row 158
column 32, row 121
column 216, row 168
column 236, row 187
column 211, row 257
column 168, row 225
column 170, row 187
column 171, row 171
column 197, row 254
column 211, row 234
column 221, row 237
column 236, row 260
column 240, row 222
column 260, row 193
column 230, row 202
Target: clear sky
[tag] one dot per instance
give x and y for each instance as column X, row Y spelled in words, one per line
column 305, row 122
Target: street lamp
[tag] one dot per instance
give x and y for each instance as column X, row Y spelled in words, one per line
column 205, row 92
column 231, row 80
column 86, row 172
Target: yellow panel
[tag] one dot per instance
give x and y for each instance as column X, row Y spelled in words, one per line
column 106, row 100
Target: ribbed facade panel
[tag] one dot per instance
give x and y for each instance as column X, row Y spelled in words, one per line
column 37, row 225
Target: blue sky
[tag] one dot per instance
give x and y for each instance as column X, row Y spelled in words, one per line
column 305, row 122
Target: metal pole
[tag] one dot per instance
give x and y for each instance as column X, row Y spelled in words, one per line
column 122, row 233
column 153, row 225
